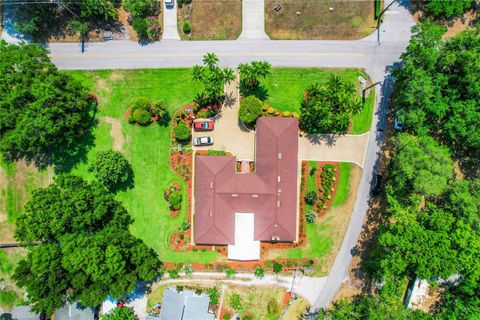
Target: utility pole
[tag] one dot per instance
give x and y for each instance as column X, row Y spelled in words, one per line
column 380, row 18
column 364, row 90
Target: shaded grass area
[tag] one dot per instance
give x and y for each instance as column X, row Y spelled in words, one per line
column 343, row 186
column 147, row 148
column 211, row 20
column 286, row 86
column 313, row 19
column 10, row 295
column 323, row 234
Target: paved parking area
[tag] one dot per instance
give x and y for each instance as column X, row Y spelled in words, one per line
column 230, row 135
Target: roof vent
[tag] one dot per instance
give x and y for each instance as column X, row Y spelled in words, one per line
column 254, row 195
column 278, row 203
column 211, row 185
column 211, row 213
column 279, row 179
column 234, row 195
column 279, row 156
column 275, row 225
column 275, row 238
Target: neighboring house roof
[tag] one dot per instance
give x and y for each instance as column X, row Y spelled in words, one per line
column 185, row 305
column 74, row 312
column 24, row 313
column 270, row 193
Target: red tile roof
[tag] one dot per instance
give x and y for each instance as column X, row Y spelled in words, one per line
column 270, row 193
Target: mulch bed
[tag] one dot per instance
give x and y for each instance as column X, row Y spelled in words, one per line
column 328, row 203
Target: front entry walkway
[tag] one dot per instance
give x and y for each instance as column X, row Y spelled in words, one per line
column 170, row 31
column 253, row 20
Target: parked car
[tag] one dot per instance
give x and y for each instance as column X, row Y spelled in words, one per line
column 202, row 141
column 377, row 185
column 169, row 3
column 398, row 122
column 206, row 125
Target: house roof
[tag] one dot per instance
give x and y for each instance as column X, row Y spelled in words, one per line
column 270, row 193
column 185, row 305
column 24, row 313
column 74, row 312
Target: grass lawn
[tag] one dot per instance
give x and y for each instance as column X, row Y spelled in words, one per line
column 254, row 300
column 211, row 20
column 312, row 19
column 311, row 182
column 325, row 233
column 285, row 88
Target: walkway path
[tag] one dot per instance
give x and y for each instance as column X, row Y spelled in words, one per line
column 170, row 31
column 229, row 134
column 253, row 20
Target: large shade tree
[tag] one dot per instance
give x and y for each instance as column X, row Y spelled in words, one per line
column 42, row 110
column 328, row 109
column 85, row 250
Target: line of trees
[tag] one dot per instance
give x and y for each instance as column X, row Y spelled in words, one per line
column 431, row 225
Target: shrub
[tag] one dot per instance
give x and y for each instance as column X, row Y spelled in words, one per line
column 185, row 225
column 175, row 200
column 154, row 29
column 287, row 113
column 250, row 110
column 272, row 307
column 311, row 197
column 214, row 294
column 311, row 216
column 182, row 132
column 216, row 153
column 259, row 272
column 187, row 269
column 235, row 301
column 187, row 28
column 277, row 267
column 142, row 117
column 131, row 119
column 140, row 8
column 160, row 111
column 111, row 169
column 227, row 316
column 140, row 25
column 230, row 273
column 173, row 274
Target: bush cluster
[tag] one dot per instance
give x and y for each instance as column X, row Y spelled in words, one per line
column 111, row 169
column 187, row 27
column 143, row 110
column 144, row 18
column 173, row 195
column 250, row 110
column 328, row 178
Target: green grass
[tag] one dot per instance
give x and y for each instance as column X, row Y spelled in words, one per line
column 311, row 182
column 343, row 186
column 7, row 299
column 147, row 148
column 286, row 86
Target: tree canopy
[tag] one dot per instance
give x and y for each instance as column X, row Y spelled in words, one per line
column 438, row 87
column 440, row 9
column 86, row 251
column 112, row 170
column 329, row 109
column 119, row 314
column 250, row 110
column 42, row 110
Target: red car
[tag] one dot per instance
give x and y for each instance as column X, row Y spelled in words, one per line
column 206, row 125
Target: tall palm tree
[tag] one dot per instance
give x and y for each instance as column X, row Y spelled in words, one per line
column 229, row 75
column 197, row 73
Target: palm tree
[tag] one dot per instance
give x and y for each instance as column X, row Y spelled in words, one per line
column 197, row 73
column 229, row 75
column 210, row 60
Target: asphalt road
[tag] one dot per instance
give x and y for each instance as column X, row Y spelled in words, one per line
column 365, row 53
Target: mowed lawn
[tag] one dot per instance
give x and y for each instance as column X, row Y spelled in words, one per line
column 285, row 88
column 147, row 148
column 314, row 19
column 211, row 20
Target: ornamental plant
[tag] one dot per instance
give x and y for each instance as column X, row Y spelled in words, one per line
column 112, row 170
column 182, row 132
column 250, row 110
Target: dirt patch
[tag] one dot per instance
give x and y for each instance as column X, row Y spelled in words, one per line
column 460, row 24
column 3, row 194
column 211, row 20
column 313, row 19
column 117, row 75
column 115, row 132
column 339, row 217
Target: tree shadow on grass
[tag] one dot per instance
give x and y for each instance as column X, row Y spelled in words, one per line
column 257, row 90
column 65, row 160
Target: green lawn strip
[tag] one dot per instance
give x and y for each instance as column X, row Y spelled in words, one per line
column 147, row 148
column 286, row 86
column 343, row 186
column 363, row 121
column 8, row 299
column 156, row 295
column 311, row 182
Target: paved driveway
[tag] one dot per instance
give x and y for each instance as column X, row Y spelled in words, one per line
column 170, row 31
column 253, row 20
column 327, row 147
column 229, row 134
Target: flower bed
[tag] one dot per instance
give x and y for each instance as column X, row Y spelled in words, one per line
column 173, row 188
